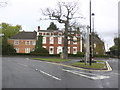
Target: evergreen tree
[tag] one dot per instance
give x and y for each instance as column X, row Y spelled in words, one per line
column 52, row 26
column 38, row 48
column 115, row 50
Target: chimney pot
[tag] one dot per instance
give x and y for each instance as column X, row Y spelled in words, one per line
column 38, row 28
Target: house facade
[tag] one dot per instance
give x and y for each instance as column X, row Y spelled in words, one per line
column 24, row 42
column 53, row 41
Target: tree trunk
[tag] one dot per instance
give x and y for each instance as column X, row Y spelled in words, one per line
column 65, row 47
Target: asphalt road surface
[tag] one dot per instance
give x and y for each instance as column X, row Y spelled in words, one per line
column 22, row 72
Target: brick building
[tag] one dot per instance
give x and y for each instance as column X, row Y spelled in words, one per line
column 24, row 42
column 53, row 41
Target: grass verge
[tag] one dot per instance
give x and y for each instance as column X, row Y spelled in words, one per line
column 52, row 59
column 87, row 66
column 99, row 61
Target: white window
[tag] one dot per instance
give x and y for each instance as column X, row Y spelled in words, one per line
column 51, row 40
column 69, row 50
column 17, row 50
column 16, row 42
column 44, row 46
column 59, row 50
column 27, row 50
column 44, row 40
column 68, row 40
column 74, row 50
column 33, row 42
column 94, row 45
column 59, row 40
column 27, row 42
column 74, row 40
column 51, row 50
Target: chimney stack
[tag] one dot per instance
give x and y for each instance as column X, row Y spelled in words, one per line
column 38, row 28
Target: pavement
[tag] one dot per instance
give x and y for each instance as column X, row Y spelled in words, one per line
column 22, row 72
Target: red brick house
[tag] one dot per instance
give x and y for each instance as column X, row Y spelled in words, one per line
column 24, row 42
column 53, row 41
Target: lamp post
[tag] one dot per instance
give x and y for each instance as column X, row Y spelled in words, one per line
column 93, row 35
column 90, row 38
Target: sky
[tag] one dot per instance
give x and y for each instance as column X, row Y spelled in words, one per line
column 27, row 13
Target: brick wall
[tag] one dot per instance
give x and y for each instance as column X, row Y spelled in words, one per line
column 22, row 45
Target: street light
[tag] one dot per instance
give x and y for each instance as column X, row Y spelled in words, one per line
column 90, row 38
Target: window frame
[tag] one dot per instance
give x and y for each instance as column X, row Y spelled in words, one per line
column 15, row 42
column 59, row 40
column 27, row 50
column 51, row 40
column 17, row 50
column 33, row 42
column 26, row 42
column 51, row 47
column 44, row 40
column 73, row 50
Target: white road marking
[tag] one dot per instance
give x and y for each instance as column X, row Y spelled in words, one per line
column 27, row 58
column 50, row 75
column 94, row 77
column 42, row 72
column 36, row 61
column 108, row 66
column 22, row 64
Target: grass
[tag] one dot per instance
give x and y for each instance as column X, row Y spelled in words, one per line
column 52, row 59
column 100, row 61
column 93, row 66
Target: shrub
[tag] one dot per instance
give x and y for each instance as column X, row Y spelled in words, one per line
column 101, row 56
column 79, row 54
column 7, row 48
column 40, row 51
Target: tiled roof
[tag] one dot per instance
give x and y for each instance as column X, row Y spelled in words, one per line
column 25, row 35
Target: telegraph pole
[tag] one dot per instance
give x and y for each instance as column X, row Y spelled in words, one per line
column 90, row 38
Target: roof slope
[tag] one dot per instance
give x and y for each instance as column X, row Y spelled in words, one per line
column 25, row 35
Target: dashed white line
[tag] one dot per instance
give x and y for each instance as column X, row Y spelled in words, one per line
column 22, row 64
column 50, row 75
column 42, row 72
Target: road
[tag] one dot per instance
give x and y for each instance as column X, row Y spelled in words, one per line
column 22, row 72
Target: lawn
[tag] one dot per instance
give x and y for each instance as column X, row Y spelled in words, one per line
column 100, row 61
column 93, row 66
column 52, row 59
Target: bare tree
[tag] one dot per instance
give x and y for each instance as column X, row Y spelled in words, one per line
column 3, row 4
column 65, row 13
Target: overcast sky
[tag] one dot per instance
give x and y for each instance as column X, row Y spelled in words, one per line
column 27, row 13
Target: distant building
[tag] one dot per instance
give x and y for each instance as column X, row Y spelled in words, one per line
column 24, row 42
column 99, row 47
